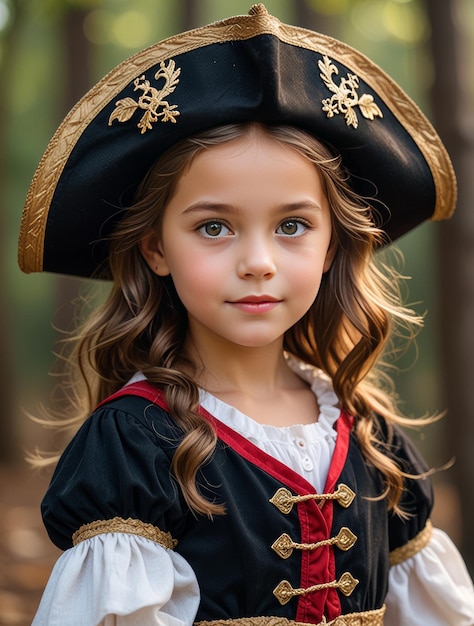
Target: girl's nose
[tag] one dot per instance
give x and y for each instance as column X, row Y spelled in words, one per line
column 256, row 260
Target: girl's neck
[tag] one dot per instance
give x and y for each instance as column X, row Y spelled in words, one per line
column 221, row 367
column 257, row 382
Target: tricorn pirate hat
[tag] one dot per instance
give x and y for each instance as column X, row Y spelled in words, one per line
column 246, row 68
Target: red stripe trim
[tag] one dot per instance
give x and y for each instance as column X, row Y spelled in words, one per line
column 320, row 566
column 143, row 389
column 343, row 427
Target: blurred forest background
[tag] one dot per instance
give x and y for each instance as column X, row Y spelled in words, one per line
column 52, row 52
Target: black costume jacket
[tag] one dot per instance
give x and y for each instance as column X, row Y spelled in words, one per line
column 281, row 549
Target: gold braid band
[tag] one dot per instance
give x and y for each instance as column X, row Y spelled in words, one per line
column 129, row 526
column 413, row 546
column 366, row 618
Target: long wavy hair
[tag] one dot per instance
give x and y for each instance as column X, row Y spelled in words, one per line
column 141, row 325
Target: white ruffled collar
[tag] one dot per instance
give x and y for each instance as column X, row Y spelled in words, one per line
column 323, row 428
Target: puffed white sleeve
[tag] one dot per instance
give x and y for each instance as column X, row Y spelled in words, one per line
column 119, row 579
column 428, row 581
column 432, row 587
column 115, row 509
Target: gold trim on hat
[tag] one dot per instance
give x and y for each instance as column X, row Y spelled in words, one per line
column 128, row 526
column 239, row 28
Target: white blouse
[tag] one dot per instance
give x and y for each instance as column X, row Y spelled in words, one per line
column 306, row 448
column 118, row 579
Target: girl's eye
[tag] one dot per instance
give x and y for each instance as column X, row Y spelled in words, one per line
column 291, row 228
column 213, row 230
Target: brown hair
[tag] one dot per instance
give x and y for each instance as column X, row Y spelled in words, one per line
column 142, row 324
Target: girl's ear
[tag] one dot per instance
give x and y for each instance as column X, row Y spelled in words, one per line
column 152, row 252
column 330, row 254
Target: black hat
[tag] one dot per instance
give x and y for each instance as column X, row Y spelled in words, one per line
column 246, row 68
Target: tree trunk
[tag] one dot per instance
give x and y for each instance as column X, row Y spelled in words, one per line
column 307, row 17
column 9, row 446
column 456, row 257
column 190, row 15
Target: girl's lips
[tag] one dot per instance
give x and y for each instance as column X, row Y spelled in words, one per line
column 255, row 304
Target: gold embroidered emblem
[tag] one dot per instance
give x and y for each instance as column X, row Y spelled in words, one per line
column 345, row 97
column 151, row 100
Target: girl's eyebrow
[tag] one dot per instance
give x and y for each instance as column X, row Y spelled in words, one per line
column 216, row 207
column 203, row 205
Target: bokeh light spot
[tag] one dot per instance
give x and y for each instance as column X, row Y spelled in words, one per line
column 97, row 26
column 5, row 15
column 405, row 21
column 131, row 29
column 368, row 18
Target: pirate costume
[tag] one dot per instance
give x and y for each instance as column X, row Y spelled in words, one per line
column 302, row 540
column 306, row 538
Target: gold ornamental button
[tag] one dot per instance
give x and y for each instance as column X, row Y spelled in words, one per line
column 284, row 546
column 283, row 500
column 345, row 539
column 347, row 583
column 344, row 495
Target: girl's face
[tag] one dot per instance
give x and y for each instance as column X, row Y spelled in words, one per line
column 246, row 238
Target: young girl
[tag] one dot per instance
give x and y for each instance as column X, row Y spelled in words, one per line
column 243, row 463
